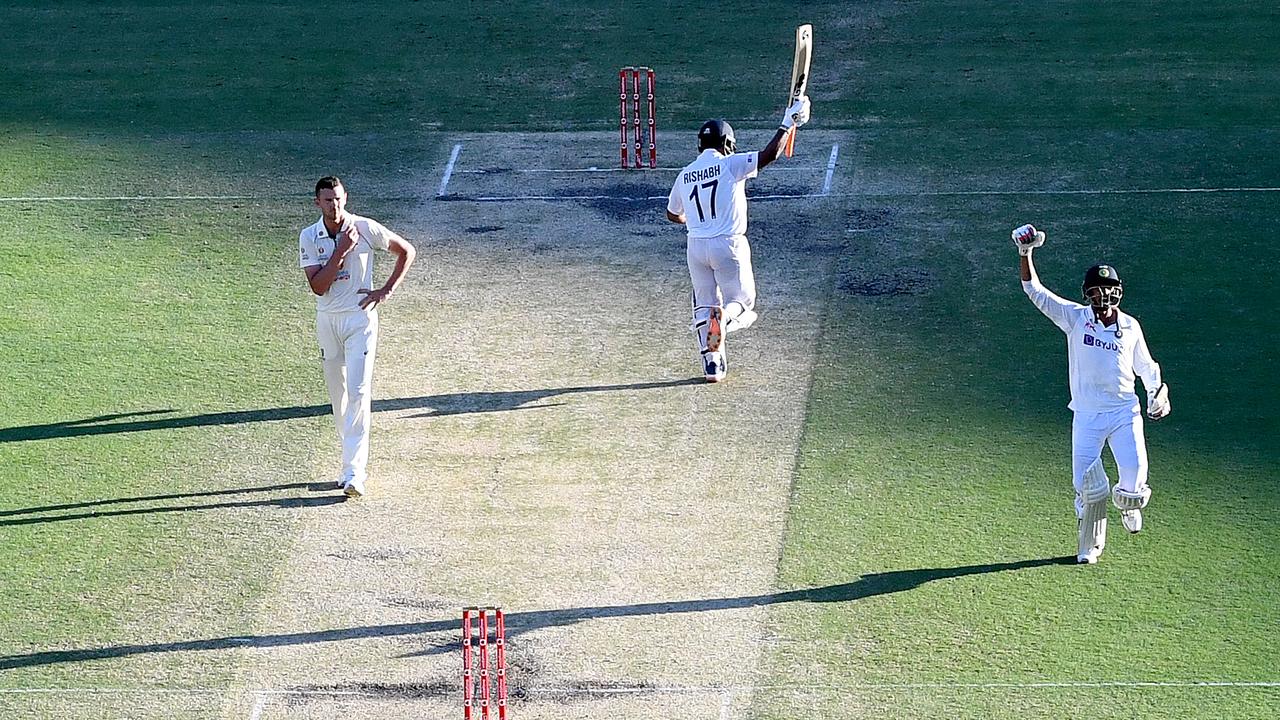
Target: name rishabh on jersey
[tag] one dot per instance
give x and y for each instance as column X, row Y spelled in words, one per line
column 315, row 247
column 711, row 192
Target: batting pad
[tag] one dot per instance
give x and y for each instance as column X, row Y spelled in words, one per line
column 1093, row 509
column 1126, row 500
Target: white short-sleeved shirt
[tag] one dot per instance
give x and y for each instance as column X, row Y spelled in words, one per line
column 711, row 192
column 1102, row 360
column 315, row 247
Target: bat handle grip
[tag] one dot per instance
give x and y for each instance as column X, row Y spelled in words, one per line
column 791, row 143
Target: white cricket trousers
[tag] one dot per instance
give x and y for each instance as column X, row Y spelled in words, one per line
column 720, row 268
column 348, row 341
column 1120, row 429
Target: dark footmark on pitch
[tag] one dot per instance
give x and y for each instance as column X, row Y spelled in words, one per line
column 869, row 219
column 375, row 554
column 906, row 281
column 628, row 202
column 481, row 229
column 414, row 603
column 386, row 691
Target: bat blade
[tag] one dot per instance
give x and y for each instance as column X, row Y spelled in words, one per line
column 799, row 74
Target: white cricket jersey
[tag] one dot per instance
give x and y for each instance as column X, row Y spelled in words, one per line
column 711, row 192
column 315, row 247
column 1102, row 360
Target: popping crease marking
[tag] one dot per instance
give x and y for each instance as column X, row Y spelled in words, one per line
column 516, row 198
column 448, row 169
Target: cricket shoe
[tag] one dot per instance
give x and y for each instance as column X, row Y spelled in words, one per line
column 354, row 488
column 1132, row 520
column 1090, row 557
column 715, row 330
column 715, row 366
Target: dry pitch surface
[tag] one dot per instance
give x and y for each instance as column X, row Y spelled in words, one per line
column 542, row 441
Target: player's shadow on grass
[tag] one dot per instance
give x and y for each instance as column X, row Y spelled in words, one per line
column 437, row 405
column 518, row 623
column 36, row 515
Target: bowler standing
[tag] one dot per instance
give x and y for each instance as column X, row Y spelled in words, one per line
column 337, row 255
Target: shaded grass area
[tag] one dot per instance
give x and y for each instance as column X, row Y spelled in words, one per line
column 938, row 434
column 147, row 67
column 938, row 437
column 137, row 311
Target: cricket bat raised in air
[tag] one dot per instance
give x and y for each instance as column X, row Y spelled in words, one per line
column 799, row 74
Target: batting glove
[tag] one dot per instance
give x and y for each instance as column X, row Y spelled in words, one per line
column 1027, row 238
column 1158, row 402
column 797, row 114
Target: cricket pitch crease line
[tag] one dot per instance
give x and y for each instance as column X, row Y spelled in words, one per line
column 555, row 171
column 448, row 169
column 262, row 694
column 552, row 198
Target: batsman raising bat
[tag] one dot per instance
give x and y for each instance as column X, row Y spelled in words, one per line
column 1105, row 350
column 709, row 198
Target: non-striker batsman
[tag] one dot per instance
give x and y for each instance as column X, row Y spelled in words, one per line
column 1106, row 350
column 709, row 198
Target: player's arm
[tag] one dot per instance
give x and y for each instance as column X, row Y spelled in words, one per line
column 771, row 150
column 1146, row 368
column 1057, row 309
column 795, row 116
column 675, row 204
column 321, row 277
column 405, row 254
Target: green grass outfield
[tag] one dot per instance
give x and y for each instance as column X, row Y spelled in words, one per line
column 931, row 490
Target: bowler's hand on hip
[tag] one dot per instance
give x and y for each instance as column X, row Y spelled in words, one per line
column 373, row 297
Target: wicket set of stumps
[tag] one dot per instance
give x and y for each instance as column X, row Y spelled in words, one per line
column 632, row 76
column 476, row 685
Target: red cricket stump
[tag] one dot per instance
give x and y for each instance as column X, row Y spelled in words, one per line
column 653, row 127
column 484, row 666
column 622, row 81
column 635, row 103
column 501, row 633
column 467, row 680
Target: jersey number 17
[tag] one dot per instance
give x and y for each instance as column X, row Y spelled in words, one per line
column 697, row 200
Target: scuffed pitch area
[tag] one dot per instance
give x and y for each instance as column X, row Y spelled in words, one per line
column 543, row 441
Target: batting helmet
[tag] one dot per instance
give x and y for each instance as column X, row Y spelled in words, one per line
column 1102, row 286
column 716, row 135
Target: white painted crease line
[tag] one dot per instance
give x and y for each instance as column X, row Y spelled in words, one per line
column 831, row 169
column 509, row 171
column 623, row 198
column 140, row 198
column 720, row 690
column 875, row 194
column 448, row 169
column 516, row 198
column 259, row 704
column 1098, row 191
column 726, row 704
column 724, row 689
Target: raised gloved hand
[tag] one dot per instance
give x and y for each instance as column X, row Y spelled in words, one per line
column 1027, row 238
column 797, row 114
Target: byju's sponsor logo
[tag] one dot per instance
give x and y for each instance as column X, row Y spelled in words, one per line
column 1092, row 341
